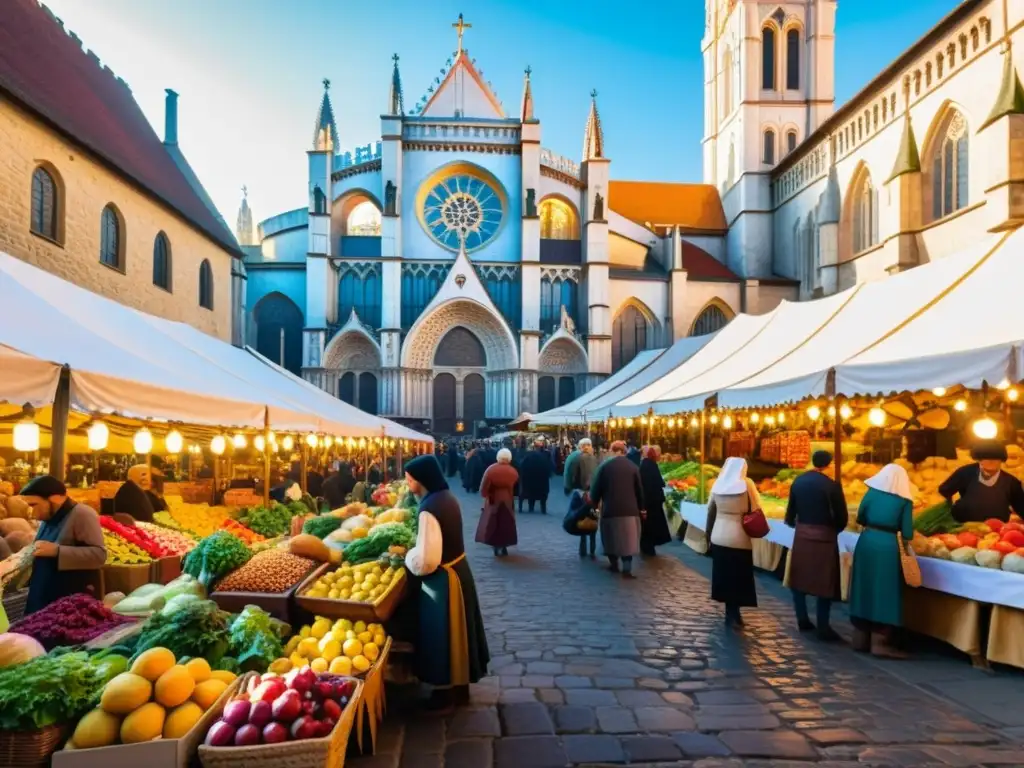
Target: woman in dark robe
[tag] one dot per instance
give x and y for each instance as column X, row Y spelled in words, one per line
column 451, row 647
column 131, row 498
column 452, row 460
column 475, row 471
column 535, row 478
column 654, row 526
column 338, row 486
column 69, row 548
column 497, row 527
column 616, row 489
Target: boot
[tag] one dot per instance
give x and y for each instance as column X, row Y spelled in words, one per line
column 883, row 648
column 861, row 641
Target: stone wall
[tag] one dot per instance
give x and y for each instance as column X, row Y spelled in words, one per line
column 88, row 186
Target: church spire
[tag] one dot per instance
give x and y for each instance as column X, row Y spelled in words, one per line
column 526, row 109
column 593, row 137
column 243, row 225
column 396, row 105
column 325, row 132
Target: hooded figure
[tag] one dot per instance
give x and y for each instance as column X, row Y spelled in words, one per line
column 474, row 473
column 984, row 490
column 451, row 647
column 654, row 526
column 131, row 498
column 69, row 548
column 535, row 477
column 732, row 572
column 876, row 585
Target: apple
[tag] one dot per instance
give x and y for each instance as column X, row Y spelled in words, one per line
column 254, row 681
column 331, row 709
column 274, row 733
column 220, row 735
column 304, row 680
column 260, row 714
column 287, row 706
column 324, row 727
column 236, row 713
column 247, row 736
column 304, row 728
column 268, row 691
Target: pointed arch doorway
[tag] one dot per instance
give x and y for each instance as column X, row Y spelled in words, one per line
column 460, row 390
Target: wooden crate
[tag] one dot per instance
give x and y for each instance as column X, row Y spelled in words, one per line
column 377, row 612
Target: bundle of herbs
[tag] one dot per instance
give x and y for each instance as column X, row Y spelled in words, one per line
column 197, row 629
column 216, row 555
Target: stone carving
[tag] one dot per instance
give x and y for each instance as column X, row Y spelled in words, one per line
column 562, row 356
column 351, row 350
column 567, row 322
column 460, row 280
column 598, row 207
column 389, row 198
column 531, row 202
column 423, row 338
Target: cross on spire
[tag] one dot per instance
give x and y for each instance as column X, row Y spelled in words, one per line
column 327, row 84
column 394, row 58
column 593, row 93
column 461, row 26
column 528, row 70
column 245, row 191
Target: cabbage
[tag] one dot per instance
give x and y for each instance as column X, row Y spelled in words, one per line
column 963, row 555
column 989, row 558
column 17, row 649
column 179, row 603
column 1014, row 563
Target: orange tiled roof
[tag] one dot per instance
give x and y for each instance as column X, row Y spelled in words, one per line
column 651, row 204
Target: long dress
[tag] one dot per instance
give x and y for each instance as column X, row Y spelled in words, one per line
column 535, row 475
column 876, row 585
column 654, row 528
column 497, row 527
column 451, row 647
column 616, row 488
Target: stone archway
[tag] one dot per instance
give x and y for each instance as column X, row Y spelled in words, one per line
column 279, row 325
column 562, row 363
column 352, row 362
column 424, row 337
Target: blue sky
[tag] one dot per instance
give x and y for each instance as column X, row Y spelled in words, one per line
column 249, row 71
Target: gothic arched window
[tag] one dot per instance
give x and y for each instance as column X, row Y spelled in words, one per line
column 554, row 294
column 206, row 285
column 630, row 336
column 793, row 60
column 790, row 141
column 768, row 58
column 769, row 146
column 360, row 290
column 162, row 262
column 949, row 166
column 420, row 283
column 111, row 242
column 711, row 319
column 45, row 204
column 558, row 220
column 364, row 219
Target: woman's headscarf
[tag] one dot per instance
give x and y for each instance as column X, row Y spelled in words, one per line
column 140, row 475
column 651, row 452
column 427, row 472
column 893, row 478
column 733, row 481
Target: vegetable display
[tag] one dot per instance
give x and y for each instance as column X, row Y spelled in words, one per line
column 200, row 519
column 192, row 628
column 71, row 620
column 992, row 544
column 271, row 571
column 378, row 541
column 247, row 535
column 135, row 536
column 322, row 526
column 17, row 649
column 216, row 555
column 121, row 552
column 936, row 519
column 51, row 689
column 153, row 597
column 255, row 639
column 271, row 521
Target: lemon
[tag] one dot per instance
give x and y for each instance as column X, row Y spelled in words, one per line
column 371, row 651
column 334, row 594
column 293, row 643
column 360, row 663
column 281, row 666
column 371, row 580
column 345, row 594
column 304, row 633
column 341, row 666
column 379, row 639
column 345, row 581
column 318, row 665
column 359, row 597
column 330, row 650
column 375, row 628
column 345, row 624
column 364, row 637
column 309, row 648
column 352, row 648
column 359, row 626
column 320, row 628
column 386, row 578
column 350, row 634
column 297, row 661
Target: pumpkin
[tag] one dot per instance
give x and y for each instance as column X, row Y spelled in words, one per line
column 17, row 649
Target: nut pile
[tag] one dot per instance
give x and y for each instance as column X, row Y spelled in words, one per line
column 272, row 570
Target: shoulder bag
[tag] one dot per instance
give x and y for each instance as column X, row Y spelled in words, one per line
column 755, row 524
column 908, row 564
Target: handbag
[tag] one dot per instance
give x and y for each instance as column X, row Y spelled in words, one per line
column 908, row 563
column 755, row 524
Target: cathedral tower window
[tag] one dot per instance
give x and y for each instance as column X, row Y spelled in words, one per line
column 364, row 220
column 558, row 220
column 865, row 214
column 948, row 166
column 768, row 56
column 112, row 238
column 46, row 204
column 360, row 290
column 790, row 141
column 632, row 333
column 555, row 293
column 769, row 147
column 793, row 59
column 711, row 319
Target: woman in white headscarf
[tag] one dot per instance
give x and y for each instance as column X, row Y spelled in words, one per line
column 876, row 587
column 732, row 572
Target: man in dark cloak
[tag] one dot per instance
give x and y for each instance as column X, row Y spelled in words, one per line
column 535, row 478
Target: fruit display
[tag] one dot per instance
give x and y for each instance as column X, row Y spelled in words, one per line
column 341, row 647
column 363, row 583
column 135, row 536
column 247, row 535
column 71, row 620
column 121, row 552
column 173, row 541
column 272, row 571
column 992, row 544
column 198, row 519
column 274, row 709
column 156, row 698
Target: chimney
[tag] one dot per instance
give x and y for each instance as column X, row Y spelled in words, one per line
column 171, row 118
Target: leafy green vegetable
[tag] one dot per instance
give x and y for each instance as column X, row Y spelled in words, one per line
column 936, row 519
column 50, row 690
column 216, row 555
column 200, row 628
column 321, row 527
column 229, row 664
column 269, row 521
column 377, row 542
column 256, row 639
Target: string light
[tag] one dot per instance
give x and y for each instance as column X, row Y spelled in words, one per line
column 755, row 417
column 218, row 445
column 143, row 442
column 328, row 441
column 259, row 443
column 727, row 422
column 876, row 416
column 671, row 423
column 694, row 423
column 26, row 436
column 239, row 441
column 845, row 412
column 629, row 423
column 611, row 423
column 1012, row 395
column 271, row 437
column 1003, row 385
column 985, row 428
column 643, row 420
column 782, row 417
column 939, row 391
column 714, row 418
column 99, row 436
column 960, row 405
column 832, row 411
column 769, row 420
column 362, row 442
column 311, row 440
column 814, row 413
column 288, row 443
column 174, row 442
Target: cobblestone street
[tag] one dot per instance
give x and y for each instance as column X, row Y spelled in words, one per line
column 591, row 669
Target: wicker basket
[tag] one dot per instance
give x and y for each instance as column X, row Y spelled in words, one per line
column 241, row 497
column 328, row 751
column 30, row 749
column 14, row 606
column 376, row 612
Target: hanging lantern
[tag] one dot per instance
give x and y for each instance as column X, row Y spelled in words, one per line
column 832, row 411
column 142, row 443
column 611, row 423
column 643, row 420
column 960, row 405
column 99, row 436
column 239, row 441
column 727, row 422
column 288, row 443
column 876, row 416
column 271, row 437
column 362, row 440
column 26, row 436
column 814, row 413
column 671, row 423
column 328, row 441
column 259, row 443
column 173, row 442
column 985, row 428
column 769, row 420
column 311, row 440
column 755, row 417
column 782, row 417
column 629, row 423
column 218, row 445
column 714, row 418
column 845, row 412
column 939, row 391
column 1003, row 385
column 351, row 443
column 694, row 423
column 1012, row 395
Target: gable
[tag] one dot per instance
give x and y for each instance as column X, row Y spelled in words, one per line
column 463, row 89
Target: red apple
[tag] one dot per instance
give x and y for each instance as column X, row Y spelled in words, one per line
column 287, row 707
column 274, row 733
column 260, row 714
column 268, row 691
column 331, row 709
column 304, row 681
column 304, row 728
column 247, row 736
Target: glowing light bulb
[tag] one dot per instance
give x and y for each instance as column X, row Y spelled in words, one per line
column 26, row 436
column 876, row 416
column 727, row 422
column 311, row 440
column 629, row 423
column 694, row 423
column 714, row 418
column 218, row 445
column 643, row 420
column 329, row 441
column 611, row 423
column 769, row 420
column 259, row 443
column 288, row 443
column 671, row 423
column 960, row 405
column 1012, row 395
column 755, row 417
column 985, row 428
column 939, row 391
column 239, row 441
column 271, row 437
column 814, row 413
column 832, row 411
column 1003, row 385
column 174, row 442
column 142, row 443
column 99, row 436
column 845, row 412
column 782, row 417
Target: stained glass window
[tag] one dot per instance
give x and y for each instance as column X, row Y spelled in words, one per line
column 558, row 220
column 462, row 207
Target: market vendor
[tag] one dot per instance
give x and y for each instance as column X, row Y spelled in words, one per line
column 984, row 490
column 69, row 548
column 451, row 647
column 155, row 494
column 131, row 498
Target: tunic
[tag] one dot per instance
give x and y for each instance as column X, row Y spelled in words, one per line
column 616, row 488
column 535, row 475
column 817, row 509
column 75, row 528
column 451, row 647
column 876, row 586
column 654, row 529
column 130, row 499
column 497, row 527
column 979, row 502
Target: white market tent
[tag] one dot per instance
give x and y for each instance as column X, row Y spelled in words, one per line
column 572, row 412
column 673, row 357
column 127, row 362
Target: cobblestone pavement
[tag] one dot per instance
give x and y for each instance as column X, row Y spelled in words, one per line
column 589, row 669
